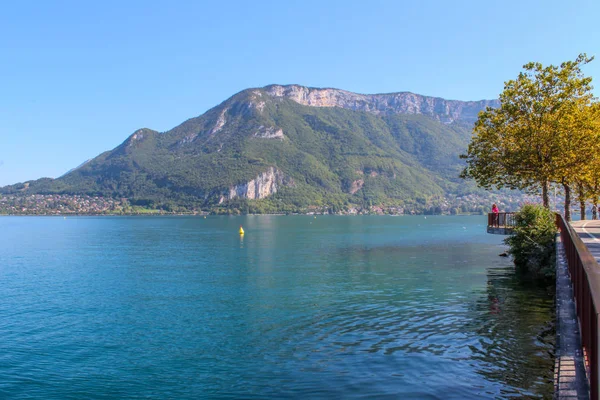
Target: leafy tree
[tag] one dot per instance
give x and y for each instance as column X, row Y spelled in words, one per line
column 534, row 137
column 580, row 144
column 586, row 177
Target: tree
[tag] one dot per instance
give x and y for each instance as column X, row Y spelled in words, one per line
column 533, row 138
column 580, row 162
column 579, row 139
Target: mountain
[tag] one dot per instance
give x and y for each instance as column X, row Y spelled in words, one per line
column 287, row 147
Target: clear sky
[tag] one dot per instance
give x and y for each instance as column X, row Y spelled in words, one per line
column 78, row 77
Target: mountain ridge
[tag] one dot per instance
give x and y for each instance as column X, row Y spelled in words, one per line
column 405, row 102
column 287, row 146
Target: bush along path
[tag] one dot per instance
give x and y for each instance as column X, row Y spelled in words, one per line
column 533, row 243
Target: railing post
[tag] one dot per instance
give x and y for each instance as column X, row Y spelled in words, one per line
column 503, row 219
column 594, row 356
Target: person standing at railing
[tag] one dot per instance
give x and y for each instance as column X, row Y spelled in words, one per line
column 495, row 212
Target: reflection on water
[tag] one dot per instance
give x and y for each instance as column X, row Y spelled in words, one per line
column 333, row 307
column 517, row 336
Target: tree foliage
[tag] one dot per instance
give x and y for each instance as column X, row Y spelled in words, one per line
column 541, row 133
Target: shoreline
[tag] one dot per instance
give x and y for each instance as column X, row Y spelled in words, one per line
column 233, row 215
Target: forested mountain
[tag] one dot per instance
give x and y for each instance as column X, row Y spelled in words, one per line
column 287, row 147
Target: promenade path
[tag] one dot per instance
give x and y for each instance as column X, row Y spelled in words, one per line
column 589, row 232
column 569, row 371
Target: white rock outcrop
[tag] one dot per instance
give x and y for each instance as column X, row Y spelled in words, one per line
column 356, row 186
column 269, row 133
column 220, row 123
column 260, row 187
column 445, row 111
column 137, row 135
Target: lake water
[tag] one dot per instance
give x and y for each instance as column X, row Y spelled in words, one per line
column 300, row 307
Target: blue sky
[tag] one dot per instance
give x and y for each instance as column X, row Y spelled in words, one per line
column 77, row 78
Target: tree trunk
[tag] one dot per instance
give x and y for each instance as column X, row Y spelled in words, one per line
column 567, row 202
column 545, row 198
column 582, row 199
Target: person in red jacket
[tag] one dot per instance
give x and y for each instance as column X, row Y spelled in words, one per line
column 495, row 211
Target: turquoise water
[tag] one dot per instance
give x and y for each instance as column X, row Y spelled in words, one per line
column 300, row 307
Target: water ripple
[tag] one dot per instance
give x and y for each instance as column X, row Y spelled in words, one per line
column 341, row 308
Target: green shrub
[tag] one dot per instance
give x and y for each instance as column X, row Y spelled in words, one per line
column 533, row 243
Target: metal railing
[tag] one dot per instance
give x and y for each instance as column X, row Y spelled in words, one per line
column 501, row 220
column 585, row 276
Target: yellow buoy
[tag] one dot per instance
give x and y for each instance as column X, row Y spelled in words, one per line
column 241, row 230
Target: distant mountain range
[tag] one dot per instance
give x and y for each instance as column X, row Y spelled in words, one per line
column 287, row 147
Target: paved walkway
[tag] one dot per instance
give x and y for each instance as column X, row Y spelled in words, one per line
column 589, row 232
column 570, row 381
column 569, row 369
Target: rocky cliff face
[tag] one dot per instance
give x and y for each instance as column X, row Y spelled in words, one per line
column 260, row 187
column 445, row 111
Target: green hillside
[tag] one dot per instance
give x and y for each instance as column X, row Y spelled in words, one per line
column 320, row 155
